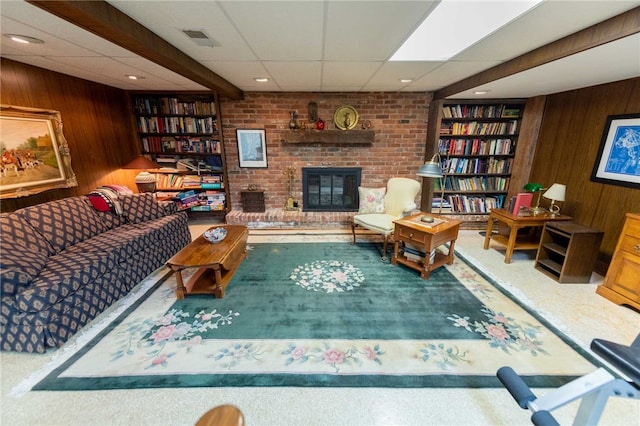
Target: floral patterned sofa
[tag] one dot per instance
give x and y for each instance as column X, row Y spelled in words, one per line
column 64, row 262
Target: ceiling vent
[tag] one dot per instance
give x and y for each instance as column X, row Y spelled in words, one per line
column 200, row 38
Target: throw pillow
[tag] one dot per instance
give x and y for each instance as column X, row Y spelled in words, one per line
column 371, row 200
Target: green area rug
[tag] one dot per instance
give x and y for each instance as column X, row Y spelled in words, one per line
column 323, row 315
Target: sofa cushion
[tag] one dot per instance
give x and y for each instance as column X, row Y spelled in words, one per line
column 64, row 222
column 62, row 277
column 141, row 207
column 13, row 227
column 124, row 242
column 18, row 266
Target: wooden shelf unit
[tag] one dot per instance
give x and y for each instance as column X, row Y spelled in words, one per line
column 568, row 251
column 183, row 127
column 622, row 285
column 477, row 141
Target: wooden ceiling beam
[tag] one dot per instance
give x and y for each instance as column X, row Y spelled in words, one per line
column 623, row 25
column 106, row 21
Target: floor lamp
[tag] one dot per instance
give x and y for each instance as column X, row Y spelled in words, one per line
column 433, row 169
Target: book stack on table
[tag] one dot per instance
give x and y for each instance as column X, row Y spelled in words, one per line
column 416, row 253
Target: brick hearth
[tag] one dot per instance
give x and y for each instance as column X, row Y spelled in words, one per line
column 282, row 219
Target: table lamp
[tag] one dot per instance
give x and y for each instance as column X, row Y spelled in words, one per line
column 535, row 187
column 433, row 169
column 145, row 181
column 555, row 193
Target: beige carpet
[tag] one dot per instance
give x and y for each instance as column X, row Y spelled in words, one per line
column 575, row 309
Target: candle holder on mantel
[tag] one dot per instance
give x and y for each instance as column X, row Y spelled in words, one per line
column 291, row 204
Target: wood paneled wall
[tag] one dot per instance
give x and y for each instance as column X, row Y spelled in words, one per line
column 97, row 123
column 568, row 143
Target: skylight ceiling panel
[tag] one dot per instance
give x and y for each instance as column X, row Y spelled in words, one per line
column 168, row 19
column 280, row 31
column 348, row 74
column 546, row 23
column 370, row 31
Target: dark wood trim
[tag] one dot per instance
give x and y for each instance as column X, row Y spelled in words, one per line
column 104, row 20
column 612, row 29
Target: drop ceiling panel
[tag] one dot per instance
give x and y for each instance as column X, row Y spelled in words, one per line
column 279, row 31
column 296, row 74
column 350, row 75
column 169, row 19
column 353, row 25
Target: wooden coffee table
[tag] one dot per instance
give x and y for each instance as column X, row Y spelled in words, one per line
column 427, row 236
column 216, row 262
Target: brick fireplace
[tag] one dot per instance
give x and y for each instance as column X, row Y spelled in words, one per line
column 330, row 189
column 399, row 121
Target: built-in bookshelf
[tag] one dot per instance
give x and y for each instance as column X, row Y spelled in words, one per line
column 477, row 142
column 180, row 132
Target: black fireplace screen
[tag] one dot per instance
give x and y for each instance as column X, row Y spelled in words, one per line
column 330, row 189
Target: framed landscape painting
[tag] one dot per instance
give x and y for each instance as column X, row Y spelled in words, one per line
column 35, row 156
column 618, row 160
column 252, row 147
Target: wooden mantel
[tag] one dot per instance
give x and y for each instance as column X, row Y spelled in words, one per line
column 338, row 137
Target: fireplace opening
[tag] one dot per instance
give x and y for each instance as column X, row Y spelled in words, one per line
column 327, row 189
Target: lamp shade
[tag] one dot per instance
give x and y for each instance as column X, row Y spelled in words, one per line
column 141, row 163
column 431, row 169
column 556, row 192
column 533, row 187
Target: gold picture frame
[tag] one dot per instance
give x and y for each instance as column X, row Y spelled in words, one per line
column 34, row 154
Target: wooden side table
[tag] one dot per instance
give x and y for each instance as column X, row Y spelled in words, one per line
column 428, row 236
column 515, row 223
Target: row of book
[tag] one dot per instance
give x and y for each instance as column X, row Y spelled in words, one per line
column 204, row 125
column 173, row 144
column 479, row 128
column 475, row 204
column 182, row 181
column 417, row 254
column 489, row 165
column 449, row 146
column 168, row 105
column 475, row 183
column 203, row 201
column 480, row 111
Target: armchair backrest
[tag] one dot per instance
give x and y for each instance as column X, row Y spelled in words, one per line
column 400, row 196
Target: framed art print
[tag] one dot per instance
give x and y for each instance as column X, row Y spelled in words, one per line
column 35, row 156
column 252, row 147
column 618, row 160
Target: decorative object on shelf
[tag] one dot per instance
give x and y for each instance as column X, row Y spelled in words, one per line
column 215, row 235
column 433, row 169
column 320, row 124
column 293, row 123
column 345, row 117
column 252, row 147
column 145, row 181
column 252, row 187
column 366, row 124
column 536, row 188
column 555, row 193
column 35, row 154
column 291, row 204
column 617, row 160
column 313, row 112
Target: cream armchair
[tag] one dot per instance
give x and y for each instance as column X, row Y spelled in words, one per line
column 399, row 200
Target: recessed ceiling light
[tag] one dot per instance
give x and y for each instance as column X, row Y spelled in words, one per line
column 24, row 39
column 433, row 40
column 481, row 92
column 134, row 77
column 261, row 79
column 406, row 80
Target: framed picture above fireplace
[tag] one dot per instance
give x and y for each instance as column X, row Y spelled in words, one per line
column 252, row 147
